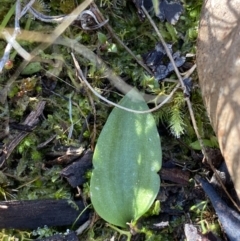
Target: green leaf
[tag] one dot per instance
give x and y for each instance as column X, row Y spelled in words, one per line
column 102, row 38
column 177, row 125
column 112, row 48
column 156, row 6
column 126, row 160
column 212, row 142
column 172, row 31
column 32, row 68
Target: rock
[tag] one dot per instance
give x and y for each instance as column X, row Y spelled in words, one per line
column 218, row 65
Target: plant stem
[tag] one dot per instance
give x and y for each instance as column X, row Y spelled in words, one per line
column 122, row 232
column 8, row 16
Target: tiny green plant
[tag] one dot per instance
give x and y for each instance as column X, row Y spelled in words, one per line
column 127, row 157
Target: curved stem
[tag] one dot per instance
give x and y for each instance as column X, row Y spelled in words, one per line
column 122, row 232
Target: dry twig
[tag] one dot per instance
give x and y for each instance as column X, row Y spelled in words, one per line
column 30, row 121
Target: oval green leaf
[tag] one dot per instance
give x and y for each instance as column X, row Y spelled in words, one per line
column 126, row 160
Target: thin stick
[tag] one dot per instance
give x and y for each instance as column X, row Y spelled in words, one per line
column 82, row 79
column 31, row 120
column 13, row 43
column 165, row 47
column 83, row 227
column 26, row 8
column 17, row 16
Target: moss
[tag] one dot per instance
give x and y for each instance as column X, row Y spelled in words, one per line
column 55, row 82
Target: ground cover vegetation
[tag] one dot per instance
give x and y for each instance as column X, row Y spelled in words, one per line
column 74, row 117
